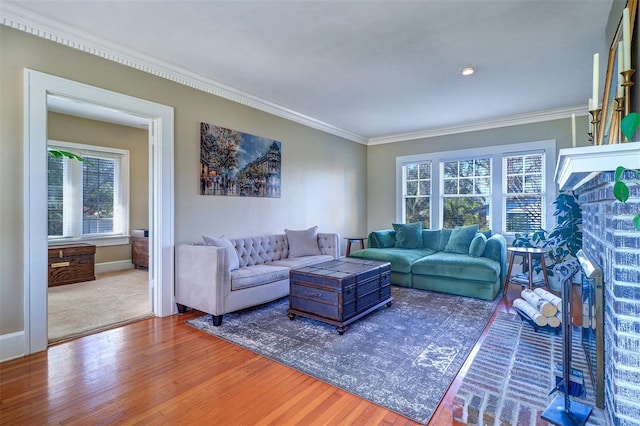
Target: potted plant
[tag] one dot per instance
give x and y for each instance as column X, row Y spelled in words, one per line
column 563, row 241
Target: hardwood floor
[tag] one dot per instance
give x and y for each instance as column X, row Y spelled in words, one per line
column 161, row 371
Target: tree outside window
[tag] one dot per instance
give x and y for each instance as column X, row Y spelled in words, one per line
column 466, row 186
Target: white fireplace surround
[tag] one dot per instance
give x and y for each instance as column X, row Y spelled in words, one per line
column 578, row 165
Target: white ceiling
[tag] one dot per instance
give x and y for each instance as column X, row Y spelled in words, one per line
column 376, row 69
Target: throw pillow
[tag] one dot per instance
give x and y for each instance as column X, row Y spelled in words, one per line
column 303, row 242
column 431, row 238
column 461, row 238
column 478, row 244
column 385, row 238
column 224, row 242
column 408, row 235
column 445, row 234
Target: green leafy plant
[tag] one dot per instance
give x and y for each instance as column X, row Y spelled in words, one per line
column 59, row 153
column 565, row 238
column 621, row 190
column 629, row 124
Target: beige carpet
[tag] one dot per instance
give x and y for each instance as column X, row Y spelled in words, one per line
column 113, row 299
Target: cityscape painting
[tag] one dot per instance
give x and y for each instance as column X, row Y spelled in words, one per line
column 238, row 164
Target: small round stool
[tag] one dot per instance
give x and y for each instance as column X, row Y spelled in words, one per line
column 528, row 254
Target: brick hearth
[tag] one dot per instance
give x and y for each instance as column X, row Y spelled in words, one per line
column 509, row 379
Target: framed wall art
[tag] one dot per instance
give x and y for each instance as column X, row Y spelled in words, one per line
column 234, row 163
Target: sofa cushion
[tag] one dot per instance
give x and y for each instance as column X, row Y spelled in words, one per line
column 299, row 262
column 431, row 238
column 460, row 266
column 461, row 238
column 400, row 259
column 478, row 244
column 408, row 235
column 385, row 238
column 225, row 243
column 444, row 238
column 303, row 242
column 252, row 276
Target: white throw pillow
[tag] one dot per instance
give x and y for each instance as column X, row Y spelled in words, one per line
column 224, row 242
column 303, row 243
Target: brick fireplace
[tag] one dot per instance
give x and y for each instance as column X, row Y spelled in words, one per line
column 611, row 241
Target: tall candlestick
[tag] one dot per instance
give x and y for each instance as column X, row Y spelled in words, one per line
column 626, row 39
column 573, row 130
column 596, row 79
column 620, row 59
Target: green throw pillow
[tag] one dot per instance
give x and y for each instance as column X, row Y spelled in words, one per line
column 444, row 238
column 408, row 235
column 431, row 238
column 461, row 238
column 385, row 238
column 478, row 244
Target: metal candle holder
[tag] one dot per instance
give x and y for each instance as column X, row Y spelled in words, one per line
column 619, row 114
column 627, row 89
column 595, row 120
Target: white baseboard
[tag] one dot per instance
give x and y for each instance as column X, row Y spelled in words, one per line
column 11, row 346
column 119, row 265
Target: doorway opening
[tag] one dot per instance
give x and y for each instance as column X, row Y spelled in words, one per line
column 37, row 87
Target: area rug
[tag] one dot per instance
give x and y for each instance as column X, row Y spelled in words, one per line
column 402, row 357
column 512, row 374
column 113, row 299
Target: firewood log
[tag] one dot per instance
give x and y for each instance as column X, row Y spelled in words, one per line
column 550, row 297
column 543, row 306
column 531, row 312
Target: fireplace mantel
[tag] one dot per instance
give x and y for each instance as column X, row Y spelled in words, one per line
column 578, row 165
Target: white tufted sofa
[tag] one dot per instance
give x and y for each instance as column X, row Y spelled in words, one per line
column 205, row 282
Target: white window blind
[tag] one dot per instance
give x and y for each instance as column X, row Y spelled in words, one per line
column 524, row 192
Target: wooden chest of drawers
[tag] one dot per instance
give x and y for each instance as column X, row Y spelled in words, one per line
column 339, row 291
column 72, row 263
column 140, row 248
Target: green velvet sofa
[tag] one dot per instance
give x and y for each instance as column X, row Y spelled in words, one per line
column 460, row 261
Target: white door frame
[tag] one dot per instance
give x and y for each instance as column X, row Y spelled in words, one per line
column 37, row 86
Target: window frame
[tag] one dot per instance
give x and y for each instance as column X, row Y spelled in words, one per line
column 442, row 195
column 110, row 239
column 405, row 196
column 543, row 193
column 496, row 152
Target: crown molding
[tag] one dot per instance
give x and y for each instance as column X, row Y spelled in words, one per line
column 39, row 26
column 528, row 118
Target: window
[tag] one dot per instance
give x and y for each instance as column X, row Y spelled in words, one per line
column 503, row 188
column 524, row 187
column 88, row 200
column 417, row 193
column 466, row 197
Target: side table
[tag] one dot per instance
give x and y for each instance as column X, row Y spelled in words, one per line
column 354, row 240
column 528, row 254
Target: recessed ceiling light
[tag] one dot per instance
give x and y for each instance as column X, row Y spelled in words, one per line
column 467, row 70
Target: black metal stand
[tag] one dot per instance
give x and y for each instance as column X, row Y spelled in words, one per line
column 562, row 411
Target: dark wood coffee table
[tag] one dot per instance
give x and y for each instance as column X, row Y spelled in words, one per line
column 340, row 291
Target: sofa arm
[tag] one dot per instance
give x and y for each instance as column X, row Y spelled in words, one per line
column 202, row 277
column 496, row 249
column 329, row 243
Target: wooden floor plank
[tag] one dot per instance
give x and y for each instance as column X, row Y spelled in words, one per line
column 162, row 371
